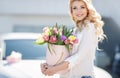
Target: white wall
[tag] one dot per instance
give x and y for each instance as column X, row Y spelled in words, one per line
column 109, row 8
column 43, row 7
column 32, row 12
column 43, row 12
column 7, row 22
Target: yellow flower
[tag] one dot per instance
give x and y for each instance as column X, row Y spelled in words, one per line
column 71, row 38
column 40, row 39
column 46, row 31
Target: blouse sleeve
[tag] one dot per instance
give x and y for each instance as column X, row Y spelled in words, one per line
column 87, row 45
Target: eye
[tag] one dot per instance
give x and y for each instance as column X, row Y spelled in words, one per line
column 74, row 8
column 82, row 7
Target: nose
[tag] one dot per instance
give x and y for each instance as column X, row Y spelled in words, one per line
column 79, row 10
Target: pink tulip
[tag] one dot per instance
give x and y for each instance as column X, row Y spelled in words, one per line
column 45, row 29
column 46, row 37
column 55, row 30
column 67, row 41
column 71, row 42
column 75, row 41
column 53, row 39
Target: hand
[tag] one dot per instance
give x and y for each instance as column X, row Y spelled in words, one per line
column 51, row 70
column 44, row 67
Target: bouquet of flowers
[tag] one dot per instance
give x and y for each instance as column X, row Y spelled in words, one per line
column 59, row 38
column 57, row 35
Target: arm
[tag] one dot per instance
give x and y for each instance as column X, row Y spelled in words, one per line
column 86, row 48
column 43, row 67
column 88, row 44
column 51, row 70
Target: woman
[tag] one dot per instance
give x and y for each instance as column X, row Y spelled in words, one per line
column 89, row 32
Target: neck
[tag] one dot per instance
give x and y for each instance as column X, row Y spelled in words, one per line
column 79, row 25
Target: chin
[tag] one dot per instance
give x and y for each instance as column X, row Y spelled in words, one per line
column 80, row 19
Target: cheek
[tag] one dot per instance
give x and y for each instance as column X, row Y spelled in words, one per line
column 74, row 14
column 86, row 12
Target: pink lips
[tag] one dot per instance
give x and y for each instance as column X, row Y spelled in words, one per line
column 79, row 15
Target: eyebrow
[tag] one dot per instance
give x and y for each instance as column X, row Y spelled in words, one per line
column 80, row 5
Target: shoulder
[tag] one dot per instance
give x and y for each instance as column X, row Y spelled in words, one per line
column 90, row 26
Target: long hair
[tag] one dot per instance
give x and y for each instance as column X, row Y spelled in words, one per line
column 93, row 16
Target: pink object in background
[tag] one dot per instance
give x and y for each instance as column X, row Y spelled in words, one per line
column 56, row 54
column 14, row 57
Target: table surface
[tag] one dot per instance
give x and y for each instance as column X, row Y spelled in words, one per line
column 31, row 69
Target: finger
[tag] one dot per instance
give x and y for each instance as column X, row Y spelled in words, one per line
column 46, row 72
column 46, row 67
column 45, row 64
column 41, row 65
column 43, row 69
column 50, row 74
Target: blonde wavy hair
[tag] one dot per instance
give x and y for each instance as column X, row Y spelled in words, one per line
column 93, row 16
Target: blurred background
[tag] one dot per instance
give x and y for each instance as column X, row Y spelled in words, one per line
column 32, row 15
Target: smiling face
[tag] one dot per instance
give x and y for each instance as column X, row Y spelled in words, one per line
column 79, row 10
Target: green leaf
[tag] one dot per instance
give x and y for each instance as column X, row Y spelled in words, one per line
column 39, row 43
column 68, row 48
column 49, row 48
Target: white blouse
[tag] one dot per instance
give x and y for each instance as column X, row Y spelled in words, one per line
column 81, row 62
